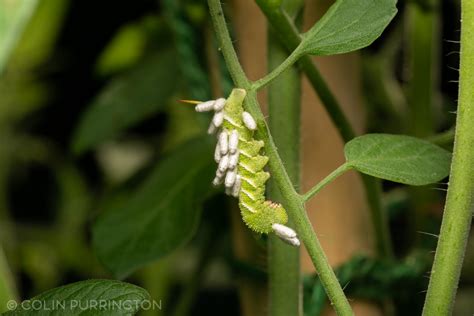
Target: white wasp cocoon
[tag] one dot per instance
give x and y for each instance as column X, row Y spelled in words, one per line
column 293, row 241
column 218, row 118
column 228, row 191
column 217, row 181
column 223, row 164
column 219, row 104
column 249, row 121
column 219, row 178
column 220, row 174
column 223, row 142
column 236, row 187
column 233, row 141
column 283, row 231
column 230, row 179
column 217, row 153
column 212, row 128
column 286, row 234
column 205, row 106
column 233, row 160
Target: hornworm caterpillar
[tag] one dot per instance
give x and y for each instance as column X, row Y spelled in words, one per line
column 240, row 166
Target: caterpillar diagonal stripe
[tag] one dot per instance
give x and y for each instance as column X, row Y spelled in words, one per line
column 241, row 163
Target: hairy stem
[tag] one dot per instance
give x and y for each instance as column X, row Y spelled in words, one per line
column 294, row 205
column 226, row 47
column 284, row 98
column 287, row 63
column 290, row 37
column 443, row 139
column 423, row 33
column 331, row 177
column 422, row 55
column 460, row 197
column 292, row 200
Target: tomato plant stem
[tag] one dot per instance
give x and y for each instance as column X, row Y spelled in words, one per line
column 460, row 197
column 284, row 98
column 331, row 177
column 290, row 37
column 291, row 199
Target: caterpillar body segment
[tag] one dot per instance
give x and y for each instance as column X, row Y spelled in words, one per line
column 241, row 166
column 258, row 214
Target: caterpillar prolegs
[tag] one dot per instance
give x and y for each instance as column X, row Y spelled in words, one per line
column 240, row 166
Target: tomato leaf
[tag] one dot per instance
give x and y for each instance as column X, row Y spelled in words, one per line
column 348, row 25
column 398, row 158
column 161, row 215
column 91, row 297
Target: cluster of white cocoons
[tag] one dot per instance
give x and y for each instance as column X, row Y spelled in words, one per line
column 226, row 154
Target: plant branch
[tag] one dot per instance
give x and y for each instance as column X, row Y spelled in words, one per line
column 422, row 54
column 460, row 197
column 290, row 37
column 287, row 63
column 225, row 43
column 445, row 138
column 331, row 177
column 284, row 100
column 292, row 200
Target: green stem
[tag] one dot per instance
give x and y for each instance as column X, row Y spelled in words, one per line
column 294, row 205
column 290, row 37
column 378, row 216
column 422, row 55
column 383, row 245
column 445, row 138
column 292, row 200
column 331, row 177
column 226, row 47
column 284, row 98
column 460, row 197
column 287, row 63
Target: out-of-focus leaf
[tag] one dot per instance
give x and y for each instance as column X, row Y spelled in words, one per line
column 21, row 91
column 40, row 34
column 348, row 25
column 125, row 48
column 127, row 100
column 115, row 297
column 398, row 158
column 14, row 15
column 161, row 215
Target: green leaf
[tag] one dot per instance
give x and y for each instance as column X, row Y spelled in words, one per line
column 14, row 16
column 117, row 298
column 127, row 100
column 161, row 215
column 398, row 158
column 348, row 25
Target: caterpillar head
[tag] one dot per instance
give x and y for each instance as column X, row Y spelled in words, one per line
column 269, row 213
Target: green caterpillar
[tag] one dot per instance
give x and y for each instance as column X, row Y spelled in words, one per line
column 241, row 164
